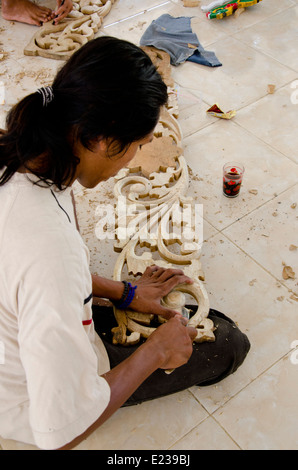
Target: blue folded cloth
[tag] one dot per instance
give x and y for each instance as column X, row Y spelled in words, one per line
column 173, row 35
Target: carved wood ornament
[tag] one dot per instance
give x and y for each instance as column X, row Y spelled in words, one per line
column 62, row 40
column 155, row 187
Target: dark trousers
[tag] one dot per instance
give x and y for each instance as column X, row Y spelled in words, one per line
column 209, row 363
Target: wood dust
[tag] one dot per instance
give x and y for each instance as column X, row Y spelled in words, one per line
column 43, row 76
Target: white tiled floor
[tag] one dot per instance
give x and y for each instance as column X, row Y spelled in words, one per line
column 247, row 239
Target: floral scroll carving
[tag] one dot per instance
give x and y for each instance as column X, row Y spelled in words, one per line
column 62, row 40
column 157, row 223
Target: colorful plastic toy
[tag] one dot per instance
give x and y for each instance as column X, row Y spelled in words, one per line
column 220, row 12
column 220, row 8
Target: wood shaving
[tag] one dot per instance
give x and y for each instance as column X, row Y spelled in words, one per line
column 293, row 247
column 238, row 12
column 3, row 55
column 288, row 273
column 271, row 89
column 253, row 191
column 294, row 297
column 43, row 76
column 190, row 3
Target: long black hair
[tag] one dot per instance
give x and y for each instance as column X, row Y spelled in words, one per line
column 109, row 88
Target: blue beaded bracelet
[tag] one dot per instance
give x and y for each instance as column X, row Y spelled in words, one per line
column 123, row 304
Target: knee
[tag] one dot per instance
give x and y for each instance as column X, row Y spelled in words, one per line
column 231, row 341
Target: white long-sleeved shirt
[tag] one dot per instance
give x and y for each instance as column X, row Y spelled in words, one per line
column 51, row 358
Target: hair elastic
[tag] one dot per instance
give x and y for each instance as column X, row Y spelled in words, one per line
column 47, row 94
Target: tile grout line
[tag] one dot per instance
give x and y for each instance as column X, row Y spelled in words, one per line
column 188, row 432
column 261, row 51
column 267, row 369
column 241, row 125
column 226, row 432
column 280, row 281
column 264, row 142
column 251, row 25
column 202, row 421
column 211, row 414
column 250, row 212
column 221, row 232
column 262, row 97
column 244, row 28
column 136, row 15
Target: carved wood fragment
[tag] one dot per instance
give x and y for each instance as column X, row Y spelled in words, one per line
column 153, row 188
column 62, row 40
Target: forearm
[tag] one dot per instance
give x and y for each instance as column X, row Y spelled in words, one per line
column 106, row 288
column 123, row 380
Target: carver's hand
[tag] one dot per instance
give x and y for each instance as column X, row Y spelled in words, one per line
column 63, row 8
column 154, row 284
column 174, row 339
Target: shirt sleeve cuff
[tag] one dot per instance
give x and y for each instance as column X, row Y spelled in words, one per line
column 54, row 439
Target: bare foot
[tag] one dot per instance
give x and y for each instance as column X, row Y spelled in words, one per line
column 25, row 11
